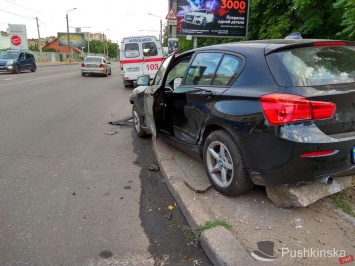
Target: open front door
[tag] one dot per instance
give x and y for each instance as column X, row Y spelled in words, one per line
column 154, row 98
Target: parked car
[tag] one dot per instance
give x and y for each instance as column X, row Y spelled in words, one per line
column 199, row 17
column 15, row 61
column 269, row 112
column 95, row 65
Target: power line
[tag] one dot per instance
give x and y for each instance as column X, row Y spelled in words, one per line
column 15, row 14
column 21, row 6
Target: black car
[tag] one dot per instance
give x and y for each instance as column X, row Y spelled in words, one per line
column 269, row 112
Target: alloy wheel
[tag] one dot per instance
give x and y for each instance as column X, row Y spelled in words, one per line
column 219, row 163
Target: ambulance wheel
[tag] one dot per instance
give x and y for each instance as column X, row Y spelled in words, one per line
column 128, row 83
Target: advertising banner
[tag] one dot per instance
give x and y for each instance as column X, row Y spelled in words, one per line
column 18, row 36
column 212, row 18
column 75, row 39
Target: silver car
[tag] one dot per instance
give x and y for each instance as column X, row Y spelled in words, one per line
column 95, row 65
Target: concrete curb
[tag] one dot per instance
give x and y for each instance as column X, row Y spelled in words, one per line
column 219, row 244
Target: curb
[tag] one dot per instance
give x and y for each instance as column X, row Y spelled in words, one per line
column 219, row 244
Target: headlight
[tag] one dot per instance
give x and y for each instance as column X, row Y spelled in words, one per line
column 197, row 16
column 10, row 62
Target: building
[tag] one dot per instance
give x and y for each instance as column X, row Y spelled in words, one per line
column 62, row 49
column 4, row 40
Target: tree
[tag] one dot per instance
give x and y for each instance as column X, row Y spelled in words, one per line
column 347, row 7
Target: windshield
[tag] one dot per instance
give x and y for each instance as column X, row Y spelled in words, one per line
column 201, row 11
column 311, row 66
column 8, row 55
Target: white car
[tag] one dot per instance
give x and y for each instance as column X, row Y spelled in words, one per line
column 96, row 65
column 200, row 17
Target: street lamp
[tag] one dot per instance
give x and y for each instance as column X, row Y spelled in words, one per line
column 69, row 50
column 161, row 27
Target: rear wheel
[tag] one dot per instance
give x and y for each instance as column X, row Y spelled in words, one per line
column 17, row 69
column 138, row 122
column 83, row 74
column 34, row 68
column 224, row 164
column 128, row 83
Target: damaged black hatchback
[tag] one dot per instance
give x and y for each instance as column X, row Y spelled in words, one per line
column 269, row 112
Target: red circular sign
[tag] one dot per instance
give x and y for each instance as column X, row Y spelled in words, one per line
column 16, row 40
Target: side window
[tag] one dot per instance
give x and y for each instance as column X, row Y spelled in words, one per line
column 228, row 70
column 149, row 49
column 131, row 50
column 202, row 69
column 21, row 56
column 28, row 56
column 178, row 71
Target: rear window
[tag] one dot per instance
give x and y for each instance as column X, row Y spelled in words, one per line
column 149, row 49
column 93, row 59
column 131, row 50
column 312, row 66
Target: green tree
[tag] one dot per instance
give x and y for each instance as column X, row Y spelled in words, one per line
column 347, row 7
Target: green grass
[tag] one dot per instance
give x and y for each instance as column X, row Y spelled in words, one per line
column 342, row 204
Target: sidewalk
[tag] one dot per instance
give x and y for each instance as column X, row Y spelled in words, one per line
column 301, row 236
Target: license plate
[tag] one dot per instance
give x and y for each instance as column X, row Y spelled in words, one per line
column 353, row 155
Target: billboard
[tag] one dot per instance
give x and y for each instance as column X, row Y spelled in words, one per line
column 18, row 36
column 75, row 39
column 212, row 18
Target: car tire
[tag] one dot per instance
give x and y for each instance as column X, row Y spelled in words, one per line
column 224, row 164
column 83, row 74
column 106, row 74
column 34, row 68
column 138, row 122
column 127, row 83
column 17, row 69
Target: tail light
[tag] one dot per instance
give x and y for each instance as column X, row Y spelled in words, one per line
column 101, row 66
column 82, row 65
column 121, row 65
column 280, row 109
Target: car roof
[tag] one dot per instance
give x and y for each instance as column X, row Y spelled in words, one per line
column 271, row 45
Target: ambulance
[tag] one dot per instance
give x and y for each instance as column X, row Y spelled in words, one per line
column 140, row 55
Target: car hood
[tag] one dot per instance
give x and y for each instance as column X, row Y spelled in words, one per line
column 5, row 60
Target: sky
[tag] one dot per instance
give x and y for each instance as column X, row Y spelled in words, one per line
column 114, row 18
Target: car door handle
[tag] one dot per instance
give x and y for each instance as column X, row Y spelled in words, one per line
column 208, row 94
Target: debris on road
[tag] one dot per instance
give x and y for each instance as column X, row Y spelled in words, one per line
column 121, row 122
column 154, row 167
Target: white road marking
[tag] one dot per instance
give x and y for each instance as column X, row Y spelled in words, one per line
column 24, row 81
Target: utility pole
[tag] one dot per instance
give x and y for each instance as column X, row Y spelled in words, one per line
column 69, row 51
column 39, row 42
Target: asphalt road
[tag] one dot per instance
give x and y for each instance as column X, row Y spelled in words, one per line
column 75, row 190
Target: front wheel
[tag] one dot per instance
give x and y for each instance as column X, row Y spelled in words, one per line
column 224, row 164
column 17, row 69
column 138, row 122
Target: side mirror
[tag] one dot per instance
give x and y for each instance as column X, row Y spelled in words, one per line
column 143, row 80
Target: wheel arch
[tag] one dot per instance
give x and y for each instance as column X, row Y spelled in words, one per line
column 211, row 127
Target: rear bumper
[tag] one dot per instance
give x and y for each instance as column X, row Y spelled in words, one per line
column 93, row 71
column 273, row 157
